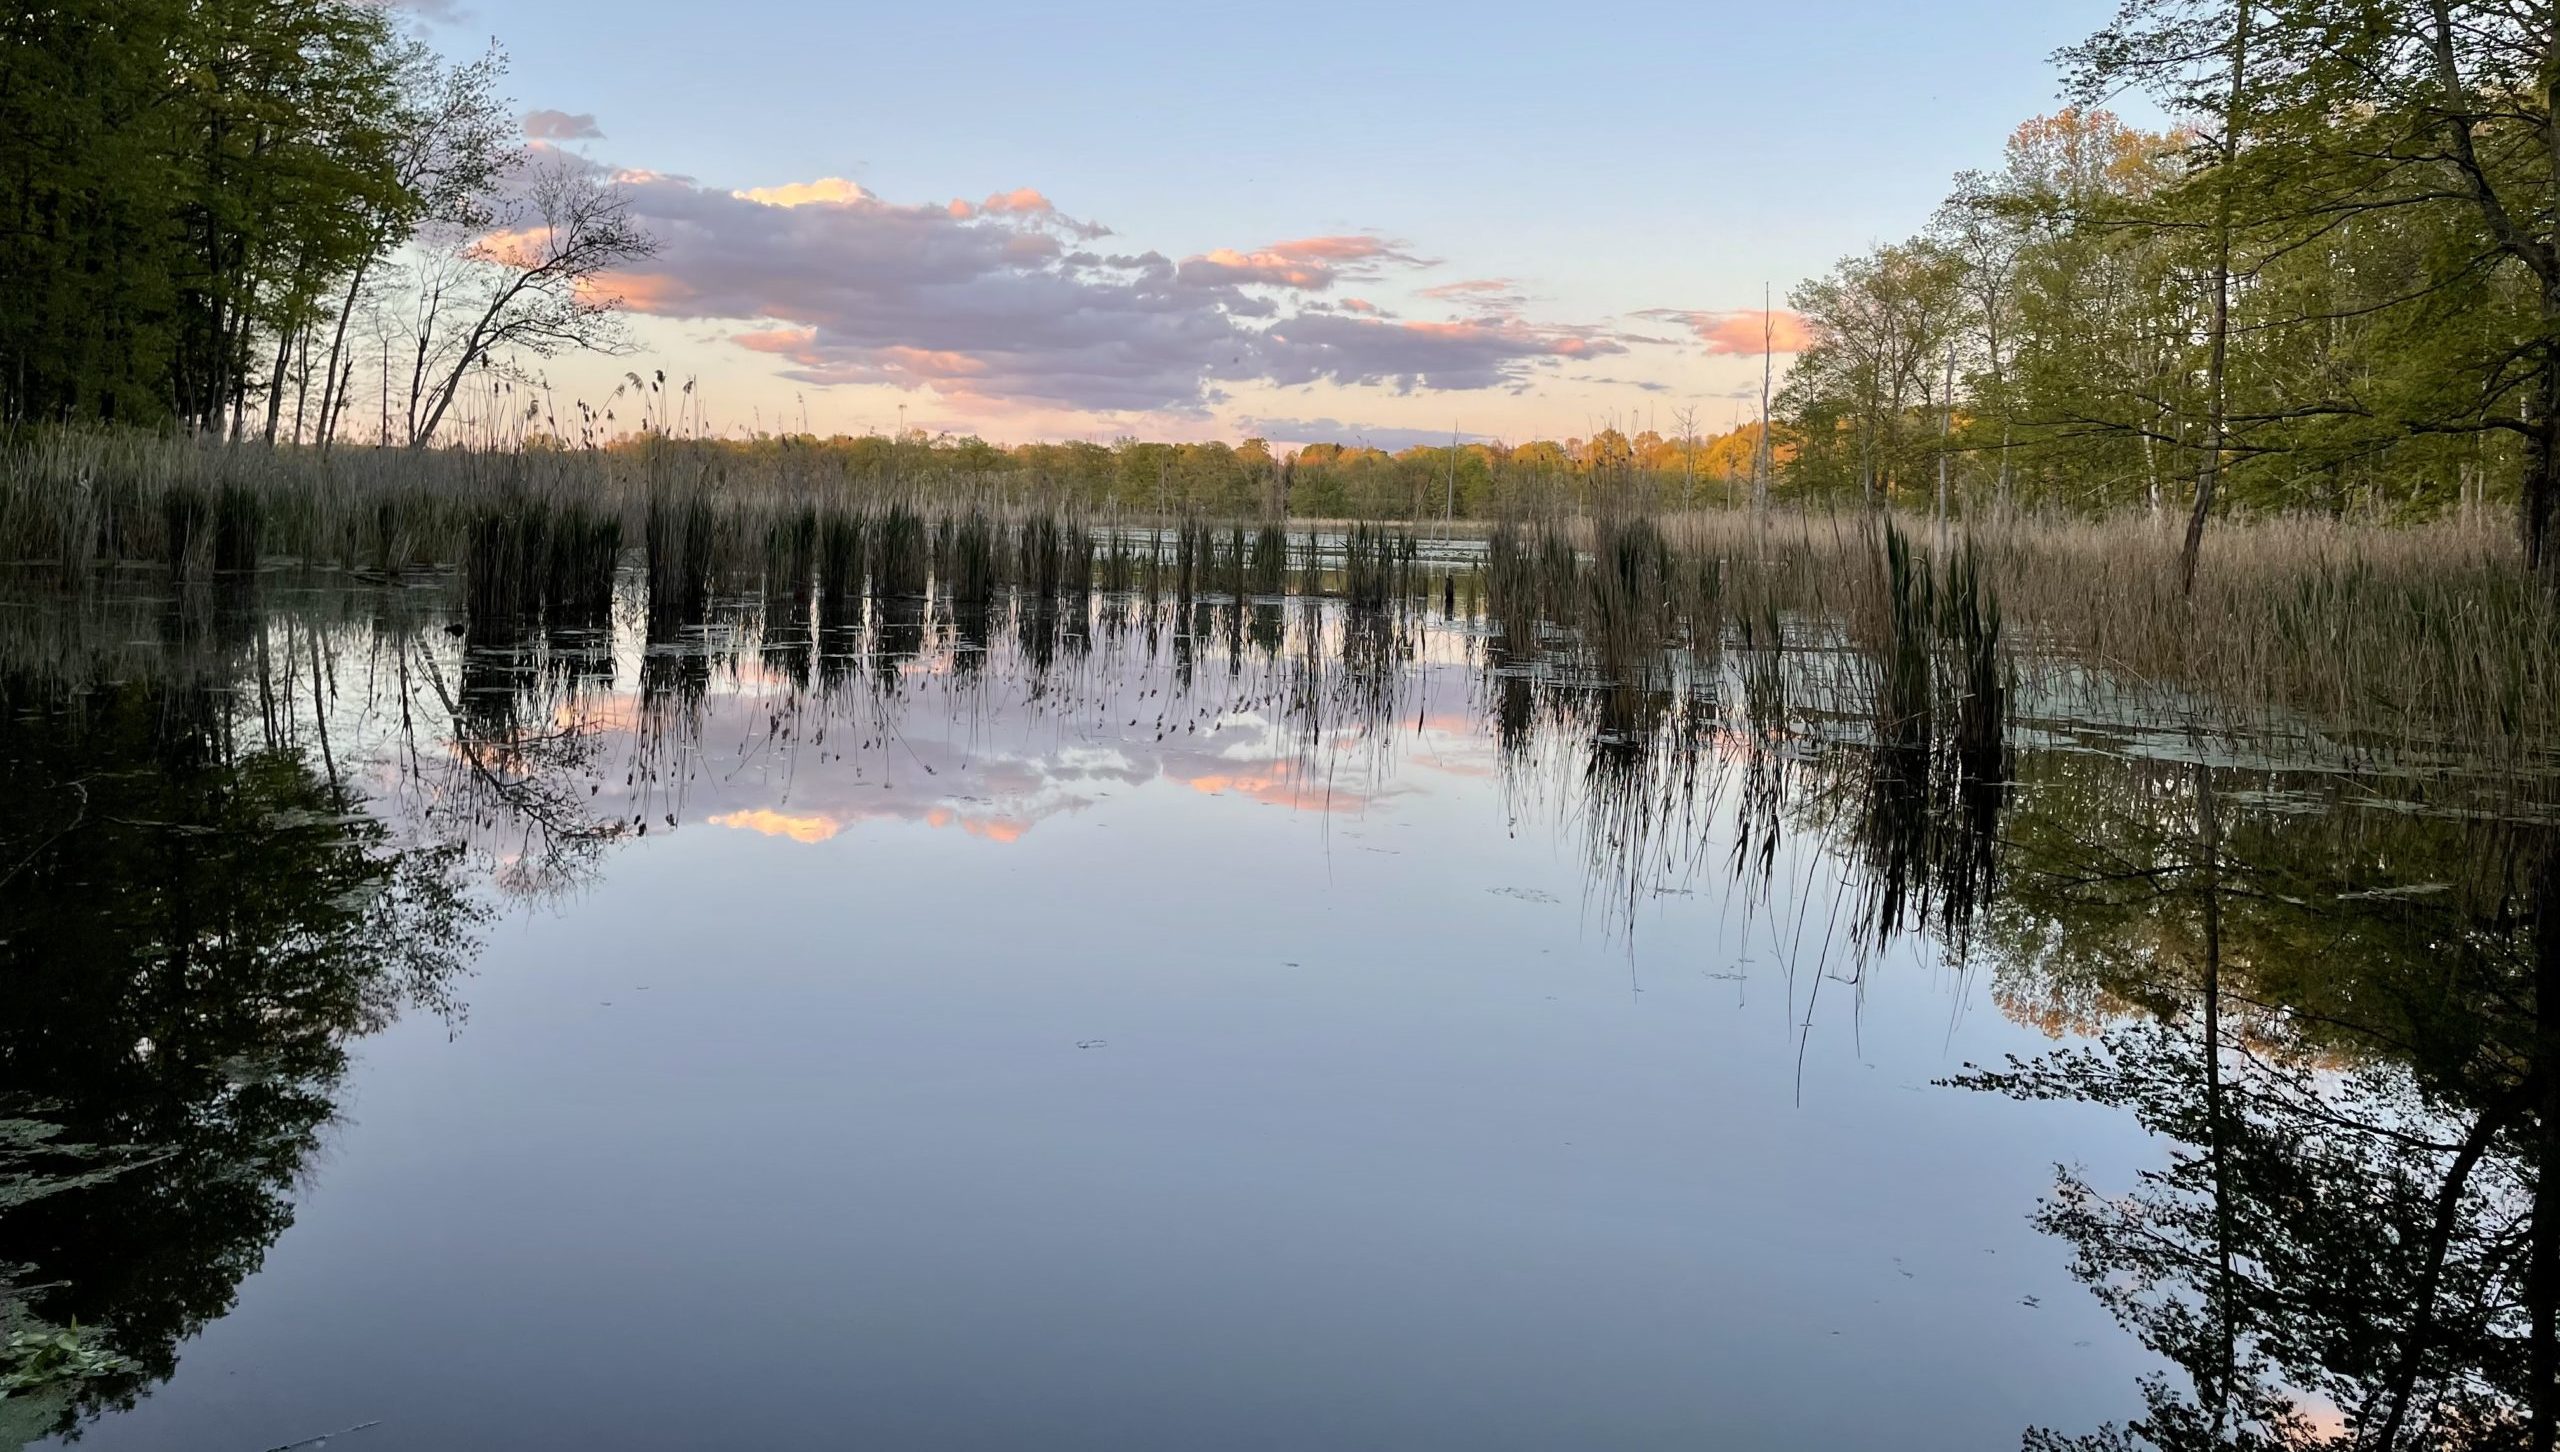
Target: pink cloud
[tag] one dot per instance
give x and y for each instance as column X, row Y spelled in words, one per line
column 1021, row 200
column 1228, row 267
column 1305, row 264
column 561, row 126
column 1740, row 332
column 1495, row 295
column 1479, row 353
column 1004, row 304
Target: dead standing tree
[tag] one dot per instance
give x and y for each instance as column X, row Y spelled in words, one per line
column 537, row 288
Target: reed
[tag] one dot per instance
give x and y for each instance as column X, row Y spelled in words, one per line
column 1268, row 571
column 965, row 558
column 842, row 565
column 2430, row 634
column 1377, row 567
column 900, row 559
column 2427, row 637
column 678, row 541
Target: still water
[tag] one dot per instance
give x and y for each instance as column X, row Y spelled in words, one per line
column 1249, row 1024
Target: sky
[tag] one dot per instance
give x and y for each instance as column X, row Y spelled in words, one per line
column 1382, row 222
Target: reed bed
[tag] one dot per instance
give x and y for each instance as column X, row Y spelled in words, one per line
column 2430, row 636
column 2429, row 633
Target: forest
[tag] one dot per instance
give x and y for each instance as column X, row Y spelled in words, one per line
column 2331, row 284
column 215, row 208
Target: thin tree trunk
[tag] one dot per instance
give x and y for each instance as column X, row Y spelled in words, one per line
column 302, row 381
column 275, row 382
column 2538, row 502
column 1760, row 457
column 1946, row 438
column 330, row 400
column 2217, row 369
column 2485, row 1130
column 2542, row 1277
column 2209, row 835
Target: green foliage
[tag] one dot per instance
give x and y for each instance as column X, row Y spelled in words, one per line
column 2383, row 346
column 192, row 190
column 34, row 1358
column 182, row 179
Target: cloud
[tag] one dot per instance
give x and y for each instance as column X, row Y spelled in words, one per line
column 1739, row 332
column 1497, row 296
column 1026, row 203
column 1010, row 302
column 1308, row 264
column 826, row 190
column 1481, row 353
column 1335, row 431
column 764, row 821
column 544, row 125
column 440, row 11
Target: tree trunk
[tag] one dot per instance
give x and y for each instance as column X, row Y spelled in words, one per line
column 2542, row 1276
column 2226, row 1289
column 330, row 400
column 2217, row 369
column 2538, row 501
column 275, row 383
column 1760, row 456
column 1946, row 439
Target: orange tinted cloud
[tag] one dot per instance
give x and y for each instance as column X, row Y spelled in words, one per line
column 1307, row 264
column 768, row 823
column 641, row 292
column 932, row 362
column 1019, row 200
column 787, row 342
column 1741, row 332
column 1357, row 247
column 523, row 247
column 1483, row 291
column 1271, row 268
column 826, row 190
column 988, row 829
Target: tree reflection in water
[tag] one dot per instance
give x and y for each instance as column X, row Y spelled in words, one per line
column 196, row 920
column 2323, row 991
column 2333, row 995
column 2333, row 1014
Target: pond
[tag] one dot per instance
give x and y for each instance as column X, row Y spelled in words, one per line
column 1250, row 1022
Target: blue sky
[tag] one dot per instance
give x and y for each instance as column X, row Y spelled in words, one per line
column 1602, row 161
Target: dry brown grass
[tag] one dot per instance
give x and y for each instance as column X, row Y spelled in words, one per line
column 2416, row 634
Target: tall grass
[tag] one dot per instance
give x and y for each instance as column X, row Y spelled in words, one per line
column 2427, row 634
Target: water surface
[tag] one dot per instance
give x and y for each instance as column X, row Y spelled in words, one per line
column 1249, row 1023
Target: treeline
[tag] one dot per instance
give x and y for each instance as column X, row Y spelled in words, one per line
column 2333, row 285
column 242, row 217
column 1251, row 479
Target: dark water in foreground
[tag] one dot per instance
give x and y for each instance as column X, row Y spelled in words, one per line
column 1242, row 1026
